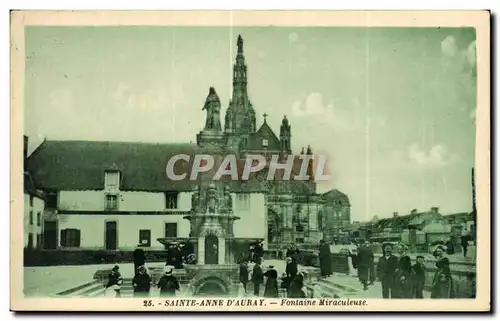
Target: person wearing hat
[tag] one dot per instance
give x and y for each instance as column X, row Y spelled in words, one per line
column 244, row 274
column 325, row 259
column 141, row 282
column 257, row 278
column 139, row 258
column 442, row 283
column 168, row 284
column 386, row 270
column 271, row 288
column 291, row 268
column 115, row 280
column 365, row 261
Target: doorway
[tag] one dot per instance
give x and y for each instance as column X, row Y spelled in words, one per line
column 111, row 239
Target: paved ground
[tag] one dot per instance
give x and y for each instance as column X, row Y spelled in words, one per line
column 45, row 281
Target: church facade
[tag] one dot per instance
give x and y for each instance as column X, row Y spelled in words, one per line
column 117, row 195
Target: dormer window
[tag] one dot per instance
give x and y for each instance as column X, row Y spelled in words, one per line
column 265, row 142
column 112, row 178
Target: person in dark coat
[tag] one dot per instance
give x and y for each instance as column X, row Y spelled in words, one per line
column 168, row 284
column 115, row 280
column 386, row 269
column 442, row 283
column 271, row 288
column 141, row 282
column 259, row 252
column 296, row 286
column 285, row 283
column 325, row 259
column 291, row 268
column 464, row 241
column 404, row 285
column 365, row 262
column 293, row 252
column 419, row 269
column 257, row 278
column 450, row 247
column 139, row 258
column 244, row 275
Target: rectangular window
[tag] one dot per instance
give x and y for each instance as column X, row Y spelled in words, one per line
column 30, row 240
column 39, row 219
column 145, row 237
column 70, row 237
column 31, row 217
column 170, row 229
column 51, row 201
column 265, row 143
column 299, row 228
column 299, row 240
column 31, row 201
column 171, row 200
column 111, row 202
column 39, row 241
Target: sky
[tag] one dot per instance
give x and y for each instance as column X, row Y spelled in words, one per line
column 393, row 109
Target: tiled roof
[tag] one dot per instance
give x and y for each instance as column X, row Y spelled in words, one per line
column 80, row 165
column 264, row 132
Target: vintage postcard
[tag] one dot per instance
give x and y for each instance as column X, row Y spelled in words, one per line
column 250, row 161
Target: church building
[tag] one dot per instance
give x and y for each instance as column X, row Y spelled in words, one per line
column 115, row 195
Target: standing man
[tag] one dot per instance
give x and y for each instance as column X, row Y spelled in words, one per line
column 257, row 278
column 386, row 270
column 464, row 241
column 259, row 251
column 365, row 261
column 419, row 269
column 325, row 259
column 244, row 275
column 139, row 258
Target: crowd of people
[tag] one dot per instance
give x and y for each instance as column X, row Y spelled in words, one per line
column 142, row 282
column 398, row 277
column 291, row 282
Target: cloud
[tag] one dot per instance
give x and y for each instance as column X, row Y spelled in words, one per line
column 150, row 99
column 437, row 156
column 461, row 64
column 449, row 46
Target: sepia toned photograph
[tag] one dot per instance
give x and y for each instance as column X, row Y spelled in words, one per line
column 250, row 161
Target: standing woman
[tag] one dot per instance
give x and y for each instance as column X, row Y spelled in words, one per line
column 442, row 283
column 271, row 289
column 141, row 282
column 405, row 279
column 296, row 287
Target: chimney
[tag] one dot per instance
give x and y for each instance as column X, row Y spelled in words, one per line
column 395, row 214
column 25, row 151
column 434, row 210
column 414, row 211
